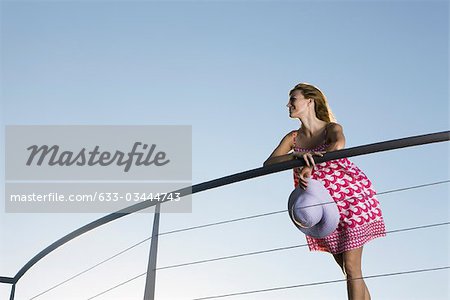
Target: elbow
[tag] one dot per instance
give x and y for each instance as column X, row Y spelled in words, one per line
column 336, row 146
column 340, row 145
column 267, row 162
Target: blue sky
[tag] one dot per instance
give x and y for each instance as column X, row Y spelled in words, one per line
column 225, row 68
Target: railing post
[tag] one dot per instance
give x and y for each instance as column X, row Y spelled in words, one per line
column 149, row 293
column 13, row 290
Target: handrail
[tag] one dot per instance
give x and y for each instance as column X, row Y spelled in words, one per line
column 4, row 279
column 350, row 152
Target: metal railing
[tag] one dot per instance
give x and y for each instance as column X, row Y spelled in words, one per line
column 151, row 273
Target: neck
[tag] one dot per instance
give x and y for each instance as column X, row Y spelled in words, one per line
column 311, row 125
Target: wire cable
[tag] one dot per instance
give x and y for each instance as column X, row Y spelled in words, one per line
column 287, row 287
column 284, row 248
column 264, row 251
column 226, row 222
column 90, row 268
column 324, row 282
column 285, row 210
column 116, row 286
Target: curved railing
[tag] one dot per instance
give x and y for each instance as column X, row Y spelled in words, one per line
column 350, row 152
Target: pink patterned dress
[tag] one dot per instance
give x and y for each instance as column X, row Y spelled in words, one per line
column 361, row 218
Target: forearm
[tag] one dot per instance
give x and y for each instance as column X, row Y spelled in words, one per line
column 334, row 146
column 278, row 159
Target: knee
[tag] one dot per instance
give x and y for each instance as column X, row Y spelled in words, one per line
column 352, row 270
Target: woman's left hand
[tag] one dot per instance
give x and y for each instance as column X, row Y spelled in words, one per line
column 303, row 176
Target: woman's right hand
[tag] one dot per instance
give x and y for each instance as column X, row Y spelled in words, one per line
column 304, row 174
column 308, row 156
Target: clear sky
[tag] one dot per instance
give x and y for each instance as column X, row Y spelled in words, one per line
column 225, row 68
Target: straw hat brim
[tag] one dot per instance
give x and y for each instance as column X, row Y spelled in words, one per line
column 313, row 211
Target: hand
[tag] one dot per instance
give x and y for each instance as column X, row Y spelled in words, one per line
column 308, row 156
column 304, row 174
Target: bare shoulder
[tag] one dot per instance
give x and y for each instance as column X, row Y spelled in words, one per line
column 335, row 137
column 287, row 142
column 289, row 138
column 284, row 147
column 334, row 128
column 292, row 133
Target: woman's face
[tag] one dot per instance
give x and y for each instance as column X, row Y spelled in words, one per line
column 297, row 104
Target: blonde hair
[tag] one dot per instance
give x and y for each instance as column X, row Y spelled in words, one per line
column 321, row 107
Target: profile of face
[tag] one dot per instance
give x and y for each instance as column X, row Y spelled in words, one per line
column 298, row 105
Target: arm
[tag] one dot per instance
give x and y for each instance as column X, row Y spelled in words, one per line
column 280, row 152
column 335, row 137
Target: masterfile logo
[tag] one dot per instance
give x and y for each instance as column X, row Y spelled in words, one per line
column 54, row 156
column 71, row 168
column 82, row 152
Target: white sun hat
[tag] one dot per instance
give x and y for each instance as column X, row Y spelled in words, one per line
column 313, row 210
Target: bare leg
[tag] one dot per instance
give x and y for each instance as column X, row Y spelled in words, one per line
column 340, row 261
column 350, row 263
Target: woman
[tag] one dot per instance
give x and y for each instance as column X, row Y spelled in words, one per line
column 360, row 215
